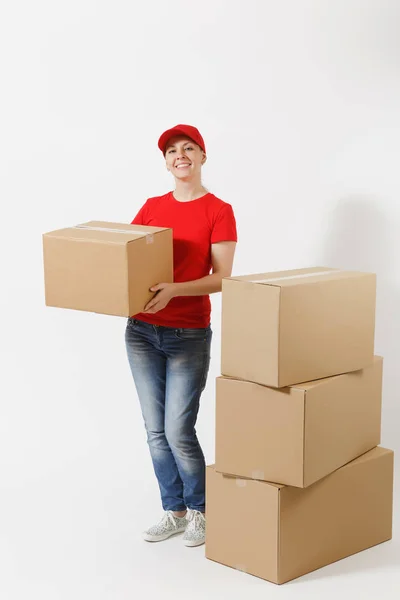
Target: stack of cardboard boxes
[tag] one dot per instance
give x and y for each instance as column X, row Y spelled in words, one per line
column 298, row 480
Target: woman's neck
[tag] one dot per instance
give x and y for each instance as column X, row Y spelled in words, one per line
column 185, row 191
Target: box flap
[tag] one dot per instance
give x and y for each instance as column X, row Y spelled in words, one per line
column 298, row 276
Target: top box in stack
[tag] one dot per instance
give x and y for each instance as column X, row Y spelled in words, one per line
column 105, row 267
column 289, row 327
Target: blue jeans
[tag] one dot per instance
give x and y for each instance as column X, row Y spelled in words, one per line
column 170, row 367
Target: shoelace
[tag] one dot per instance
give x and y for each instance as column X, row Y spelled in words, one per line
column 197, row 517
column 169, row 516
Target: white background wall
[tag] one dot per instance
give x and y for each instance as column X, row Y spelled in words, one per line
column 298, row 102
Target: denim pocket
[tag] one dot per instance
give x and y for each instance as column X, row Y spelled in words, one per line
column 187, row 334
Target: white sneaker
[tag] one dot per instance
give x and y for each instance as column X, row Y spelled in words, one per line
column 195, row 533
column 169, row 525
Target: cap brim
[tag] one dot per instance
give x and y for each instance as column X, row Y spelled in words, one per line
column 167, row 135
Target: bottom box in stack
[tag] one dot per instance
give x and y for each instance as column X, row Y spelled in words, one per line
column 279, row 532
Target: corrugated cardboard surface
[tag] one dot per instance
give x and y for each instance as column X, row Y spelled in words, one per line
column 259, row 431
column 94, row 268
column 242, row 524
column 279, row 329
column 299, row 434
column 326, row 327
column 279, row 533
column 340, row 515
column 250, row 326
column 148, row 263
column 342, row 419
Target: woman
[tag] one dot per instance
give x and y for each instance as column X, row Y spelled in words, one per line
column 168, row 345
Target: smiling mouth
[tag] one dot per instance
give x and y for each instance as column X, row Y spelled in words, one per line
column 182, row 166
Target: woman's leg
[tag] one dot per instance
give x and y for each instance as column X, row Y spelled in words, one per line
column 188, row 352
column 148, row 366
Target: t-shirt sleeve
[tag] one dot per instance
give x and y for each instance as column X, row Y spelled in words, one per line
column 141, row 216
column 224, row 229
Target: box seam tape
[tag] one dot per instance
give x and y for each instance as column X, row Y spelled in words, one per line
column 149, row 236
column 300, row 276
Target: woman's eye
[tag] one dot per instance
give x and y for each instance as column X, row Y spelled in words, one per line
column 187, row 148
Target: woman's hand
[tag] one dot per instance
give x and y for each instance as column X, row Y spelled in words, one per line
column 165, row 292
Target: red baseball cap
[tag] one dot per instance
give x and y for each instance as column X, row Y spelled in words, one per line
column 193, row 133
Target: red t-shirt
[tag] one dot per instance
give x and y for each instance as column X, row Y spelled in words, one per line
column 196, row 225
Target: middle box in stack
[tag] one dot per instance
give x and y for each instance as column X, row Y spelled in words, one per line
column 298, row 434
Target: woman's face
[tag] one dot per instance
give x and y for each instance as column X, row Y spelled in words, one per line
column 183, row 157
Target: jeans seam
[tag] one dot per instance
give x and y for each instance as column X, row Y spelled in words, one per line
column 203, row 380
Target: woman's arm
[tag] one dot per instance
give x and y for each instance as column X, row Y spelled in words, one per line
column 222, row 254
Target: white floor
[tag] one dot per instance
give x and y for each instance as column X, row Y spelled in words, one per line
column 75, row 534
